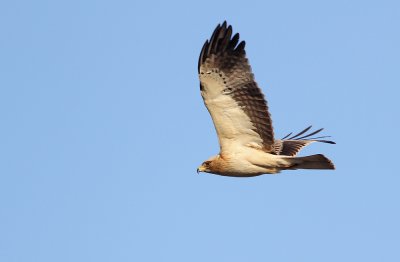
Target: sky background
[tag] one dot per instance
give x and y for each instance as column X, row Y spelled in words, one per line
column 103, row 127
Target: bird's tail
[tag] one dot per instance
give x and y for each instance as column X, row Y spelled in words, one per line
column 311, row 162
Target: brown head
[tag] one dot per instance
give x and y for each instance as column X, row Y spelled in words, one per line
column 213, row 165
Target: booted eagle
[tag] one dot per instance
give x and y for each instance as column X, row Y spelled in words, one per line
column 241, row 118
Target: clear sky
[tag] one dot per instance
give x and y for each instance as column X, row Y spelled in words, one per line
column 103, row 127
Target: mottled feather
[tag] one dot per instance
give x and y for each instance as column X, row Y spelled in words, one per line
column 241, row 118
column 224, row 68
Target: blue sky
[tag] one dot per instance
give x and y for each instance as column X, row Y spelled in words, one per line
column 103, row 128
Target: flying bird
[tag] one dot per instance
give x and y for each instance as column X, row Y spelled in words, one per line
column 240, row 114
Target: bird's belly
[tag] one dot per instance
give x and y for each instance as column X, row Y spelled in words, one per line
column 245, row 164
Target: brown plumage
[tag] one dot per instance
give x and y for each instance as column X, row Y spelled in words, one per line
column 240, row 115
column 290, row 146
column 225, row 57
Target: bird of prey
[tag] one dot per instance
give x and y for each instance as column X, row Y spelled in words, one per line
column 241, row 118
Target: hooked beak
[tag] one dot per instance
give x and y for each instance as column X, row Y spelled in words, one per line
column 200, row 169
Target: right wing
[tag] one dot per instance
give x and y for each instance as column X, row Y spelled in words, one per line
column 290, row 146
column 231, row 95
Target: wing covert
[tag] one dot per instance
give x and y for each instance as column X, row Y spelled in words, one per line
column 231, row 95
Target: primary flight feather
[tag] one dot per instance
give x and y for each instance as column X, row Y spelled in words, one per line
column 240, row 114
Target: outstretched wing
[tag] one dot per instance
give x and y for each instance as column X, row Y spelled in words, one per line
column 231, row 95
column 291, row 145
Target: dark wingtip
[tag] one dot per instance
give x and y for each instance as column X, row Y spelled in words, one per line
column 326, row 141
column 308, row 136
column 299, row 134
column 287, row 136
column 241, row 46
column 311, row 134
column 204, row 50
column 221, row 41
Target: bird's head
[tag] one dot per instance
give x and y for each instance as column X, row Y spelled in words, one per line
column 205, row 167
column 209, row 166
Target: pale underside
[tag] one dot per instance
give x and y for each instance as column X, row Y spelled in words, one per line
column 233, row 125
column 241, row 148
column 240, row 115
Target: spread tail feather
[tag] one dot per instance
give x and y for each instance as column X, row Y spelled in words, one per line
column 311, row 162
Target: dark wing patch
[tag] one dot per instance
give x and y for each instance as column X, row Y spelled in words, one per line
column 252, row 101
column 291, row 145
column 223, row 53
